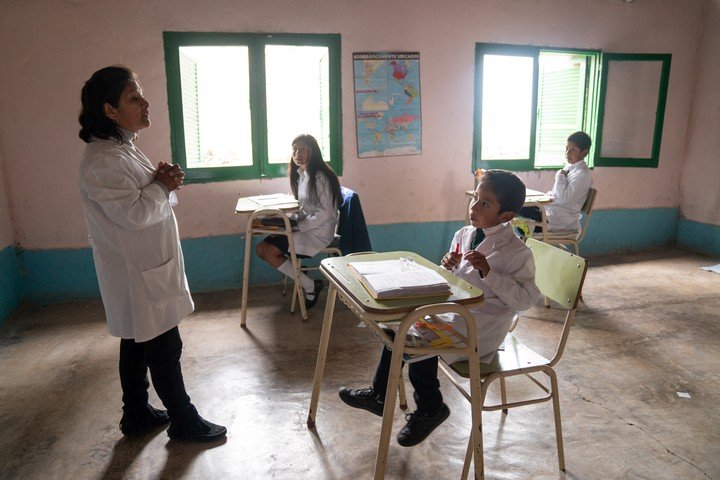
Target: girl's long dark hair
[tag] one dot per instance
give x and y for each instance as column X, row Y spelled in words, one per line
column 105, row 86
column 315, row 165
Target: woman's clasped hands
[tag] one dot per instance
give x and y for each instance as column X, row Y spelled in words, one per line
column 170, row 175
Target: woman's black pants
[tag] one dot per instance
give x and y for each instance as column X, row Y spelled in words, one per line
column 161, row 356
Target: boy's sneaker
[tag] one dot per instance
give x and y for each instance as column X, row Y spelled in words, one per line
column 139, row 421
column 193, row 428
column 364, row 398
column 420, row 425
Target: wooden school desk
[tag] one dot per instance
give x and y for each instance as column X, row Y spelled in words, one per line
column 347, row 286
column 264, row 206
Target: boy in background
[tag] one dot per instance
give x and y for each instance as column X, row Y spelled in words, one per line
column 488, row 254
column 570, row 190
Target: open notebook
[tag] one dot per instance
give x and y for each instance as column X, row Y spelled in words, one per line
column 401, row 278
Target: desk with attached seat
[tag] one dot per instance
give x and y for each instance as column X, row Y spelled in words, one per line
column 407, row 311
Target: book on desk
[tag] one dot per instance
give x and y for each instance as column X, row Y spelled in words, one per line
column 399, row 278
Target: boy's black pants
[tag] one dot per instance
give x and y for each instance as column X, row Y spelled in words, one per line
column 423, row 376
column 533, row 213
column 162, row 356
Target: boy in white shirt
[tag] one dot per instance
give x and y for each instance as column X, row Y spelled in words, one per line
column 572, row 184
column 489, row 255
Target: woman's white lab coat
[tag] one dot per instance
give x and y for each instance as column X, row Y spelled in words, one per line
column 508, row 288
column 134, row 238
column 317, row 218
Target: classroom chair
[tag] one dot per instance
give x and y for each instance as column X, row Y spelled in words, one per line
column 332, row 250
column 559, row 275
column 568, row 237
column 256, row 227
column 352, row 228
column 351, row 235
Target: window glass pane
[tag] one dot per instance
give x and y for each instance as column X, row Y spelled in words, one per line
column 630, row 108
column 216, row 106
column 507, row 85
column 561, row 98
column 297, row 90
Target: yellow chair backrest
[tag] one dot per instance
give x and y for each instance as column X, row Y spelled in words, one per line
column 558, row 274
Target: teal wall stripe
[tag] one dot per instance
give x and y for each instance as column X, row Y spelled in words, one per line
column 10, row 291
column 212, row 263
column 58, row 275
column 430, row 240
column 215, row 263
column 629, row 230
column 608, row 231
column 701, row 237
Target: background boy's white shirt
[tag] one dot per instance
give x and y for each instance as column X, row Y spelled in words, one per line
column 508, row 288
column 569, row 194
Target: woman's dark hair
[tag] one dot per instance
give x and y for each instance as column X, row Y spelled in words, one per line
column 105, row 86
column 315, row 165
column 507, row 187
column 581, row 139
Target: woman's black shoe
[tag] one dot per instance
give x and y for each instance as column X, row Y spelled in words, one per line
column 139, row 421
column 193, row 428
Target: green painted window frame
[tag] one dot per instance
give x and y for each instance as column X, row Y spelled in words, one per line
column 482, row 49
column 256, row 43
column 593, row 116
column 653, row 160
column 589, row 114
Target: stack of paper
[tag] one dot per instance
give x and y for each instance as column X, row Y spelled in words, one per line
column 400, row 278
column 274, row 200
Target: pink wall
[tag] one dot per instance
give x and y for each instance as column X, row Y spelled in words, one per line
column 52, row 47
column 701, row 175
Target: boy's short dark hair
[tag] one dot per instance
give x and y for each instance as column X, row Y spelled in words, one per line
column 581, row 139
column 509, row 189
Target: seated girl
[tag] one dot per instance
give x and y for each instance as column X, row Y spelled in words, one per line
column 317, row 189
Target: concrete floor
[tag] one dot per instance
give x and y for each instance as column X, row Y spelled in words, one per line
column 650, row 328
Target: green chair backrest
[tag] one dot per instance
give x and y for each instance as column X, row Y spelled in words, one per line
column 558, row 274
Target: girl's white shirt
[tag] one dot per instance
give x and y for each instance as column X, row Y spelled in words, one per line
column 317, row 218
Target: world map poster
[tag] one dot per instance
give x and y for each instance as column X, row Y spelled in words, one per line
column 387, row 103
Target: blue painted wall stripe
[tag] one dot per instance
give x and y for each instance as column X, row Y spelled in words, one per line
column 58, row 275
column 629, row 230
column 10, row 291
column 215, row 263
column 701, row 237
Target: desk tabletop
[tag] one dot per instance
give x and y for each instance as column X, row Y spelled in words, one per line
column 281, row 201
column 336, row 270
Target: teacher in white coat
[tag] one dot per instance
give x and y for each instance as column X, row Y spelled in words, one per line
column 136, row 248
